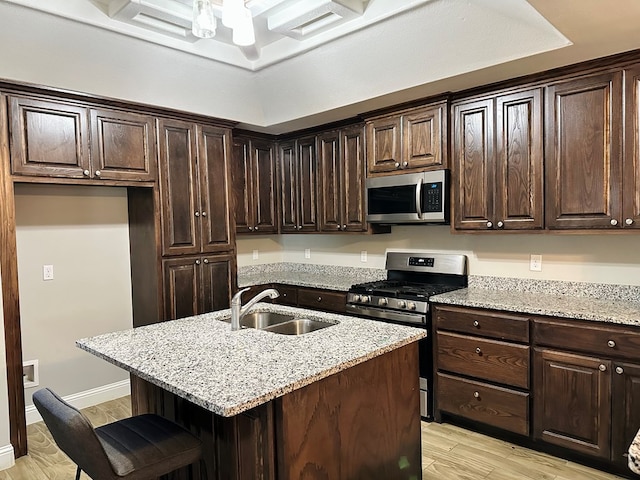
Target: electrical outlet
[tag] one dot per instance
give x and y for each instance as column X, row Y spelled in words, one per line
column 255, row 254
column 47, row 272
column 363, row 256
column 535, row 264
column 307, row 253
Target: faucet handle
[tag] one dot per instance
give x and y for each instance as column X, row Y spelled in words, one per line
column 237, row 297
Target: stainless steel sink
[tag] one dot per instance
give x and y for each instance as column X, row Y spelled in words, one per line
column 262, row 320
column 298, row 326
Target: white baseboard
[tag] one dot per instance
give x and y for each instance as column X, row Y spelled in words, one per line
column 85, row 399
column 7, row 458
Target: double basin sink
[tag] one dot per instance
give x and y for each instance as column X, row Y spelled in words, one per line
column 282, row 323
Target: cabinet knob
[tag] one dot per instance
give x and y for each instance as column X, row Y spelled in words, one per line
column 476, row 394
column 404, row 164
column 197, row 262
column 476, row 323
column 602, row 367
column 619, row 370
column 397, row 165
column 251, row 229
column 85, row 173
column 256, row 228
column 319, row 299
column 344, row 227
column 204, row 214
column 98, row 173
column 284, row 294
column 197, row 214
column 206, row 260
column 489, row 224
column 611, row 344
column 629, row 221
column 478, row 351
column 614, row 222
column 500, row 224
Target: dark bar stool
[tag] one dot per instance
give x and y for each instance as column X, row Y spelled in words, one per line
column 142, row 447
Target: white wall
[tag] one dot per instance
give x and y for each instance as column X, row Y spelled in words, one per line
column 595, row 258
column 83, row 233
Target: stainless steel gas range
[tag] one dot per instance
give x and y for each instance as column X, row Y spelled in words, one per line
column 403, row 298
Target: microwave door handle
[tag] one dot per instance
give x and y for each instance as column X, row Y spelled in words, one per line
column 419, row 198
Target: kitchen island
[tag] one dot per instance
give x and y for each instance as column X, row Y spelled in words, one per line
column 341, row 402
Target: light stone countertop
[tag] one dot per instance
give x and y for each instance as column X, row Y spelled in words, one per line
column 200, row 359
column 610, row 310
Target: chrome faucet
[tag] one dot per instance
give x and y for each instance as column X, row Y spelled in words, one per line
column 238, row 311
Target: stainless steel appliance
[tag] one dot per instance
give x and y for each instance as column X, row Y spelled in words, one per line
column 403, row 298
column 409, row 198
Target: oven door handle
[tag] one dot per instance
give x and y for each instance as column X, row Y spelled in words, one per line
column 419, row 198
column 416, row 319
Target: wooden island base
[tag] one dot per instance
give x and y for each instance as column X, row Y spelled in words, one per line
column 360, row 423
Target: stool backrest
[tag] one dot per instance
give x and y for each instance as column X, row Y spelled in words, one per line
column 73, row 433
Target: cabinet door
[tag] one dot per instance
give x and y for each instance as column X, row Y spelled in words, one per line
column 214, row 146
column 583, row 157
column 217, row 281
column 519, row 161
column 353, row 171
column 178, row 193
column 123, row 146
column 383, row 144
column 625, row 409
column 422, row 137
column 263, row 182
column 473, row 161
column 631, row 180
column 48, row 138
column 288, row 188
column 308, row 184
column 572, row 401
column 241, row 182
column 181, row 288
column 330, row 192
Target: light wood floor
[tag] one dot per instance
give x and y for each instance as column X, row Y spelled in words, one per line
column 448, row 453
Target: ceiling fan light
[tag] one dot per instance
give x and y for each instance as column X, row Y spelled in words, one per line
column 204, row 20
column 243, row 33
column 232, row 12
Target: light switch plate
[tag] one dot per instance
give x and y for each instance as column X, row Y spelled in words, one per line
column 363, row 256
column 307, row 253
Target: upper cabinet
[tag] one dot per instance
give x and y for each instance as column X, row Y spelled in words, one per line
column 298, row 165
column 253, row 172
column 584, row 132
column 342, row 170
column 497, row 161
column 65, row 140
column 194, row 188
column 631, row 166
column 413, row 139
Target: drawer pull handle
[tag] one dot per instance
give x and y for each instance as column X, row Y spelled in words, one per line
column 476, row 323
column 478, row 351
column 619, row 370
column 611, row 343
column 476, row 394
column 602, row 367
column 319, row 299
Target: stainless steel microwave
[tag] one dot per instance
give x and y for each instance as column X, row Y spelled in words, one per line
column 409, row 198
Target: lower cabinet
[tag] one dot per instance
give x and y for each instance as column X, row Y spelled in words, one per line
column 197, row 284
column 303, row 297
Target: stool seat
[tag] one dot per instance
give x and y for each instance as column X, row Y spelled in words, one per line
column 141, row 447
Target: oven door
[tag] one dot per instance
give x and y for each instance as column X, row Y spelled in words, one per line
column 425, row 346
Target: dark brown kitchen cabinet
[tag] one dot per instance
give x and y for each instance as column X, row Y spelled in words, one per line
column 625, row 411
column 194, row 188
column 320, row 299
column 197, row 284
column 57, row 139
column 342, row 170
column 411, row 140
column 298, row 185
column 572, row 401
column 584, row 122
column 254, row 185
column 498, row 161
column 631, row 166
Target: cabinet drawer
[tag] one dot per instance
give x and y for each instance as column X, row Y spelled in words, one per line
column 496, row 406
column 484, row 323
column 288, row 295
column 592, row 338
column 492, row 360
column 322, row 299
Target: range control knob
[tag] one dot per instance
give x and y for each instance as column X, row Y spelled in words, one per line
column 402, row 304
column 411, row 306
column 365, row 299
column 356, row 298
column 382, row 302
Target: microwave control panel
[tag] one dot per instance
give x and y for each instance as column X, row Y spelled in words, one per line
column 432, row 197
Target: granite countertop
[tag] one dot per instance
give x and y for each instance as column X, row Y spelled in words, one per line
column 610, row 310
column 634, row 454
column 200, row 359
column 329, row 277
